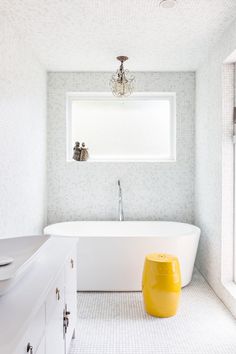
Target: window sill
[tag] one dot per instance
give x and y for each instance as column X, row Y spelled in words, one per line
column 123, row 160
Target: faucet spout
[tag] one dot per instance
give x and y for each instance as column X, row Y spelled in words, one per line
column 121, row 210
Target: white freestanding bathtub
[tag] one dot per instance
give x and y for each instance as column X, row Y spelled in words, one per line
column 111, row 253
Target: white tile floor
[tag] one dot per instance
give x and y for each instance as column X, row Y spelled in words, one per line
column 115, row 323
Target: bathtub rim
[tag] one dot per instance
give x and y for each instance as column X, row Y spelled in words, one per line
column 73, row 232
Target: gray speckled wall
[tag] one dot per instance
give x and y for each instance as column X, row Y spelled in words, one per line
column 214, row 182
column 23, row 136
column 152, row 191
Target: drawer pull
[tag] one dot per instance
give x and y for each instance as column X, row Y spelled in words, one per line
column 66, row 323
column 72, row 263
column 29, row 348
column 58, row 294
column 66, row 319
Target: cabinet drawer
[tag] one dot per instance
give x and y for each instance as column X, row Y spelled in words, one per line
column 70, row 273
column 71, row 296
column 55, row 296
column 41, row 348
column 34, row 333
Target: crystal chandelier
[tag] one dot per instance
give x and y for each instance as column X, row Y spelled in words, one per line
column 122, row 81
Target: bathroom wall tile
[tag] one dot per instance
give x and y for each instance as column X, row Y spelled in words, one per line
column 152, row 191
column 23, row 136
column 214, row 179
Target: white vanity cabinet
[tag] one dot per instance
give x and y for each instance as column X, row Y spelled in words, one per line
column 42, row 309
column 41, row 349
column 55, row 304
column 70, row 312
column 61, row 308
column 31, row 340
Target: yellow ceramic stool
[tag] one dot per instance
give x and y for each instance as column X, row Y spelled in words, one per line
column 161, row 285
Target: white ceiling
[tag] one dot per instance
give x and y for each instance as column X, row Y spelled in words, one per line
column 87, row 35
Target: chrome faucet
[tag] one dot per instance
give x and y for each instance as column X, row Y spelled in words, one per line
column 121, row 210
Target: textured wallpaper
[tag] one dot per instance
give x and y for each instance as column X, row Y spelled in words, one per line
column 151, row 191
column 22, row 137
column 214, row 167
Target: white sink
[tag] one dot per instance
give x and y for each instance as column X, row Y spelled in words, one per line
column 22, row 251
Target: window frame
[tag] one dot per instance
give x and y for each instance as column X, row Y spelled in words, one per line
column 93, row 96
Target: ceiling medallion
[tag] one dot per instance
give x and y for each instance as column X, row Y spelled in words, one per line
column 122, row 81
column 168, row 4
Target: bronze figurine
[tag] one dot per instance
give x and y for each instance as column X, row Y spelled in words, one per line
column 77, row 151
column 84, row 155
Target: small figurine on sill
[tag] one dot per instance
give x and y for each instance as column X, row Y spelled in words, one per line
column 77, row 151
column 84, row 155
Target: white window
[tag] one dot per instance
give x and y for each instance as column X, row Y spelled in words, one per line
column 138, row 128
